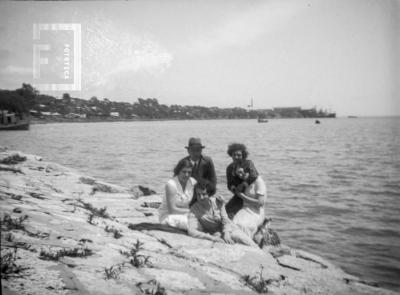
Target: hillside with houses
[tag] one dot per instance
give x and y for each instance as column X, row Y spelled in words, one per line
column 49, row 108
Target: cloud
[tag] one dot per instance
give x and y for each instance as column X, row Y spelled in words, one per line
column 4, row 54
column 110, row 51
column 11, row 69
column 149, row 58
column 246, row 26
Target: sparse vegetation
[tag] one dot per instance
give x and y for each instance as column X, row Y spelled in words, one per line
column 100, row 187
column 16, row 197
column 9, row 223
column 257, row 283
column 151, row 205
column 90, row 219
column 136, row 259
column 9, row 267
column 37, row 196
column 75, row 252
column 151, row 287
column 9, row 237
column 12, row 159
column 12, row 169
column 83, row 241
column 102, row 212
column 38, row 234
column 116, row 233
column 113, row 272
column 146, row 191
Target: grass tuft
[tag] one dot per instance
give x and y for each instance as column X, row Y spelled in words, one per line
column 13, row 159
column 9, row 223
column 9, row 268
column 9, row 237
column 90, row 219
column 116, row 233
column 136, row 259
column 102, row 212
column 257, row 283
column 151, row 287
column 112, row 272
column 75, row 252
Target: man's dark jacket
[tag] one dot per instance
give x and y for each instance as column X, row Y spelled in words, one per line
column 205, row 169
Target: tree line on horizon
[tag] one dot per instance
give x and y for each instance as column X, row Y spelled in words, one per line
column 27, row 100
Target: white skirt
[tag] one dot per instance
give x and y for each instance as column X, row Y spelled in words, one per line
column 248, row 220
column 175, row 220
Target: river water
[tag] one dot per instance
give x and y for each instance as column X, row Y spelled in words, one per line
column 333, row 188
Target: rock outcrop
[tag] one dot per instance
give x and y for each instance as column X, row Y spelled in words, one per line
column 66, row 233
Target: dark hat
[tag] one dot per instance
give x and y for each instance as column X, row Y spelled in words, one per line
column 195, row 141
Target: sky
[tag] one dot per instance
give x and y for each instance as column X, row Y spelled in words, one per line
column 339, row 55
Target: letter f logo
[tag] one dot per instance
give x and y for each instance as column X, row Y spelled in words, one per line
column 37, row 60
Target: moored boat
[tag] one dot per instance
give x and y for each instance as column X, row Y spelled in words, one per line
column 10, row 121
column 262, row 120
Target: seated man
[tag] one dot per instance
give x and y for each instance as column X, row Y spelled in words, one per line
column 208, row 218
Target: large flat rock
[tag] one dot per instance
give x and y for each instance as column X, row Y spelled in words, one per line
column 63, row 209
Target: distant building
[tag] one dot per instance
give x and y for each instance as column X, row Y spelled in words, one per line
column 289, row 112
column 114, row 114
column 51, row 114
column 75, row 116
column 287, row 109
column 34, row 113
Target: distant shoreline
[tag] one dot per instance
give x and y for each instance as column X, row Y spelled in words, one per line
column 36, row 121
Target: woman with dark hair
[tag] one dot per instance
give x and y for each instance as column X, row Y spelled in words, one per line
column 253, row 194
column 208, row 219
column 238, row 152
column 179, row 190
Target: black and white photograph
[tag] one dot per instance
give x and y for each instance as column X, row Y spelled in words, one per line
column 200, row 147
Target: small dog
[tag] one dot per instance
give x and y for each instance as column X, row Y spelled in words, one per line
column 266, row 236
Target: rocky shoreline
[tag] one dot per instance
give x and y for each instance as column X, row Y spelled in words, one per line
column 67, row 233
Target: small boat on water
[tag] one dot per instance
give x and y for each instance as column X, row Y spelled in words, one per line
column 11, row 121
column 262, row 120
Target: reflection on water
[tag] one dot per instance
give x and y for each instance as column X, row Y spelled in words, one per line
column 333, row 188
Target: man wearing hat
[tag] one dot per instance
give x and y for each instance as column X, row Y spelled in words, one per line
column 203, row 166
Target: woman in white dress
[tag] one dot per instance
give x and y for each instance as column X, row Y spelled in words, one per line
column 253, row 195
column 179, row 189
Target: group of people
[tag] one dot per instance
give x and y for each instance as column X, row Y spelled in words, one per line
column 190, row 202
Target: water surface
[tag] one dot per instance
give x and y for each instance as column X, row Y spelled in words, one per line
column 333, row 188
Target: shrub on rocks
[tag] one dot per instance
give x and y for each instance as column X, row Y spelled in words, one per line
column 146, row 191
column 116, row 233
column 136, row 259
column 75, row 252
column 112, row 272
column 11, row 169
column 9, row 267
column 151, row 287
column 140, row 191
column 257, row 283
column 13, row 159
column 97, row 212
column 9, row 223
